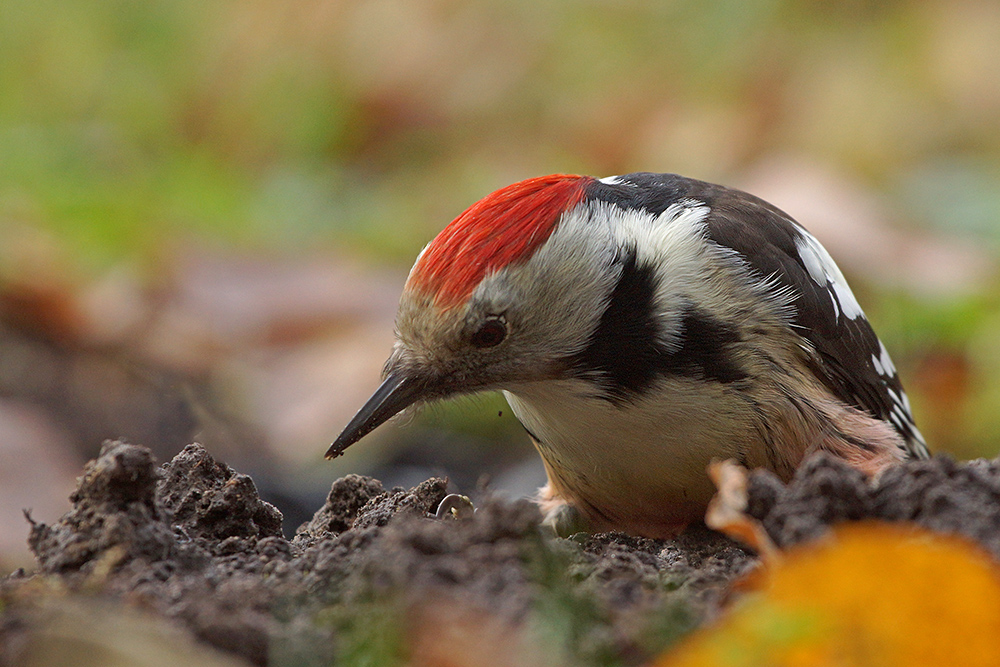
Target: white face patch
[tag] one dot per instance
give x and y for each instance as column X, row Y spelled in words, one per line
column 571, row 265
column 676, row 235
column 825, row 272
column 587, row 238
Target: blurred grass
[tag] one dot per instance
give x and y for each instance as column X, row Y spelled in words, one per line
column 125, row 125
column 131, row 131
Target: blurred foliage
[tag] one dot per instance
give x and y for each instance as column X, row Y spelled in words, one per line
column 568, row 613
column 572, row 620
column 131, row 131
column 836, row 603
column 90, row 632
column 370, row 633
column 126, row 127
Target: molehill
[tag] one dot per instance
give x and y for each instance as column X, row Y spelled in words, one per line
column 191, row 550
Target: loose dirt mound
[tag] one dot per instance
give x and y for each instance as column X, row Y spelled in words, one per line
column 375, row 576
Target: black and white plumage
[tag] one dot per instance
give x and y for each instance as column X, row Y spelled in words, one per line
column 641, row 326
column 848, row 357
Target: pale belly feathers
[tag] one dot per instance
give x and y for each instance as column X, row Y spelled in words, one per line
column 637, row 464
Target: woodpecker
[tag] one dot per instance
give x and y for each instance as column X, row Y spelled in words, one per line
column 641, row 326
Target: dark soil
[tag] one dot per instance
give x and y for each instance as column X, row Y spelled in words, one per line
column 375, row 578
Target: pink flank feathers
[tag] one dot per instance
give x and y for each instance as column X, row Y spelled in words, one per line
column 503, row 228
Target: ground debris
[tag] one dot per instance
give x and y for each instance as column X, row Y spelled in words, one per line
column 115, row 515
column 938, row 493
column 212, row 502
column 192, row 543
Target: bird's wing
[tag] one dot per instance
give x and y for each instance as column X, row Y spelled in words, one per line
column 848, row 358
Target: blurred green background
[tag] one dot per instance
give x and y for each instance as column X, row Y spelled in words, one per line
column 207, row 209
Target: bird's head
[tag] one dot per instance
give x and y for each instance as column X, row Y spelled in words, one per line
column 505, row 294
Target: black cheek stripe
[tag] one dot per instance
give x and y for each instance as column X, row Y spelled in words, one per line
column 625, row 355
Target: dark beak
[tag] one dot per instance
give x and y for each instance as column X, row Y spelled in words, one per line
column 395, row 394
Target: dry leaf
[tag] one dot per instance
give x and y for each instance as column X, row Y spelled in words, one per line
column 873, row 595
column 727, row 510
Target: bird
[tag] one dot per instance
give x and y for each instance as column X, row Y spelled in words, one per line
column 641, row 326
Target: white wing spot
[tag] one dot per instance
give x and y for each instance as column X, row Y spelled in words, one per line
column 850, row 305
column 894, row 396
column 811, row 260
column 906, row 402
column 886, row 360
column 611, row 180
column 824, row 271
column 878, row 365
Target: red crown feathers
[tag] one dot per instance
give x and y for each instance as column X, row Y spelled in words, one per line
column 503, row 228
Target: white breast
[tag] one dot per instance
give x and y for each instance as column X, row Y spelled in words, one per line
column 637, row 462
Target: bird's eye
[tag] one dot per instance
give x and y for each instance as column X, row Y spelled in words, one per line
column 491, row 333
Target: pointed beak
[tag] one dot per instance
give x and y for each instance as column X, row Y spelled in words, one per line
column 395, row 394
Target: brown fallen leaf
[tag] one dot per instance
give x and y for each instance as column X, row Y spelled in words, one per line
column 727, row 510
